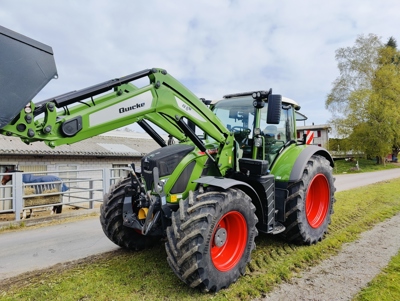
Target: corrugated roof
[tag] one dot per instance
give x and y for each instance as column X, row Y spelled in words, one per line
column 104, row 145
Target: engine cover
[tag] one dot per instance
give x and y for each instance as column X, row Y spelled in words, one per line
column 166, row 159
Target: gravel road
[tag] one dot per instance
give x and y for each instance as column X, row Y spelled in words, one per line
column 350, row 181
column 341, row 277
column 30, row 249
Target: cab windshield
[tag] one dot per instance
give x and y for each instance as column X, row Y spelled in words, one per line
column 239, row 116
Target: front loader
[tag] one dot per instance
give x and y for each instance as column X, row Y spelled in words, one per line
column 237, row 168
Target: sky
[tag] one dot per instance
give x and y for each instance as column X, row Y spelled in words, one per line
column 214, row 47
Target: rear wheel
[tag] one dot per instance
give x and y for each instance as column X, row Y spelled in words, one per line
column 111, row 219
column 310, row 203
column 211, row 238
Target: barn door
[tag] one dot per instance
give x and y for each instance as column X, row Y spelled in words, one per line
column 6, row 191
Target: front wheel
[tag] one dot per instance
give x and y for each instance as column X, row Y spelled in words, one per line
column 111, row 219
column 211, row 238
column 309, row 205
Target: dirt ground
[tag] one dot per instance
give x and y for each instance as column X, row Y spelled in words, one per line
column 343, row 276
column 45, row 212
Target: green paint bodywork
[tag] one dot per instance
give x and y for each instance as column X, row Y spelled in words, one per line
column 283, row 164
column 166, row 105
column 162, row 102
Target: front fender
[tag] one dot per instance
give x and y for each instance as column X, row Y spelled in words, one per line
column 222, row 182
column 226, row 183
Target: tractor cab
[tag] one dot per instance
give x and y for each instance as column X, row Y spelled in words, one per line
column 256, row 136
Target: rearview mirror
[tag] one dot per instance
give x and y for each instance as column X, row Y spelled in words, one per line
column 235, row 114
column 274, row 108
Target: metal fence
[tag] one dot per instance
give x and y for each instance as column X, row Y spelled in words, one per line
column 85, row 189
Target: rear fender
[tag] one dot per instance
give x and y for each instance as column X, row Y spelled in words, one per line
column 300, row 164
column 289, row 168
column 290, row 164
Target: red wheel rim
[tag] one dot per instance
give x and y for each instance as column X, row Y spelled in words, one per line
column 229, row 241
column 317, row 201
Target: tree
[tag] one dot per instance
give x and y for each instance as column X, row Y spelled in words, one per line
column 365, row 98
column 395, row 60
column 391, row 43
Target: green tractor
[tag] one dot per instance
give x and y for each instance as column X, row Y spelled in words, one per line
column 236, row 168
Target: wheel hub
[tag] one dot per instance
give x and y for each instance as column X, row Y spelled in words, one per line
column 317, row 201
column 228, row 241
column 220, row 237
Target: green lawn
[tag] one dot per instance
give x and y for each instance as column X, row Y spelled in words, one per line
column 146, row 275
column 364, row 165
column 385, row 286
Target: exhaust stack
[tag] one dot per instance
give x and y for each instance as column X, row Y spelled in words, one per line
column 26, row 66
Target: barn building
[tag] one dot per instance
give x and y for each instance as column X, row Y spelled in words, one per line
column 110, row 150
column 320, row 134
column 115, row 150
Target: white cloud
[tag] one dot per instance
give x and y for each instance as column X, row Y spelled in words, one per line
column 213, row 47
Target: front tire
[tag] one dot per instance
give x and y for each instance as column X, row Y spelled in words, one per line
column 211, row 238
column 111, row 219
column 309, row 205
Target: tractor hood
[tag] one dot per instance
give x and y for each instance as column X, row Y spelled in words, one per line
column 26, row 66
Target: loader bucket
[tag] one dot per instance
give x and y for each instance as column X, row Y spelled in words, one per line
column 26, row 66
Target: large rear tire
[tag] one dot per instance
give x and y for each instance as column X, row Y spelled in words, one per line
column 211, row 238
column 309, row 205
column 111, row 219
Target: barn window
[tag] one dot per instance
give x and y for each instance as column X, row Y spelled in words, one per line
column 68, row 172
column 120, row 170
column 33, row 168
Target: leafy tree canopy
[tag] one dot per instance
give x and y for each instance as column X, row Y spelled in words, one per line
column 392, row 43
column 365, row 98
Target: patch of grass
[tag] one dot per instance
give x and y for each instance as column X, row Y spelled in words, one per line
column 146, row 275
column 385, row 286
column 12, row 227
column 343, row 166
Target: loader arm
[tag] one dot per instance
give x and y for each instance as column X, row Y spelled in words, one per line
column 27, row 65
column 163, row 102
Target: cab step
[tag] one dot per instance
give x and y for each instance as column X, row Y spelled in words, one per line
column 278, row 228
